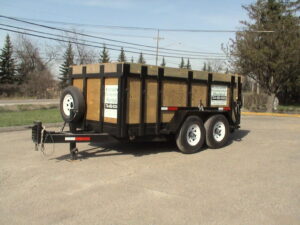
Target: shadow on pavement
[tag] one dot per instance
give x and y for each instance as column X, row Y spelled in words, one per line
column 238, row 135
column 115, row 148
column 111, row 147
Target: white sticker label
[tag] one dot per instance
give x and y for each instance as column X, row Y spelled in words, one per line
column 111, row 101
column 218, row 95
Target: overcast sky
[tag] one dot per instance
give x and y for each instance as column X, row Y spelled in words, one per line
column 174, row 14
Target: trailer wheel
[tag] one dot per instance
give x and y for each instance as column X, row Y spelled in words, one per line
column 191, row 135
column 72, row 98
column 217, row 131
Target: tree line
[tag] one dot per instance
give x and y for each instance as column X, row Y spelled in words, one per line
column 26, row 71
column 23, row 72
column 268, row 49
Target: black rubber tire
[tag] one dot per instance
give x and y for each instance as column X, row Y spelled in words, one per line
column 181, row 139
column 79, row 104
column 209, row 126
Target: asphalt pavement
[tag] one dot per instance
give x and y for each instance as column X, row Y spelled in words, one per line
column 255, row 179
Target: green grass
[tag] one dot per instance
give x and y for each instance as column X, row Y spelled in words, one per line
column 289, row 108
column 8, row 119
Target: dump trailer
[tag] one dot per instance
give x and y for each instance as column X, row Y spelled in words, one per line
column 137, row 102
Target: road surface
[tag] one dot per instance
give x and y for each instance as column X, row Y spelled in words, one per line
column 255, row 179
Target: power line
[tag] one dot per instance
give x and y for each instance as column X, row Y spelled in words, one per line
column 145, row 28
column 94, row 46
column 102, row 43
column 97, row 37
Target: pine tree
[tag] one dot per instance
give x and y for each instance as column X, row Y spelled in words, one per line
column 204, row 67
column 163, row 63
column 132, row 61
column 64, row 68
column 209, row 67
column 181, row 65
column 122, row 57
column 104, row 57
column 188, row 64
column 141, row 59
column 7, row 64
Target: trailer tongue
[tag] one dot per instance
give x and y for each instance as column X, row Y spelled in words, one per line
column 133, row 101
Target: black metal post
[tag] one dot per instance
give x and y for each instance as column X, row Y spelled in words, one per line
column 231, row 100
column 209, row 81
column 102, row 93
column 144, row 72
column 189, row 88
column 122, row 98
column 159, row 99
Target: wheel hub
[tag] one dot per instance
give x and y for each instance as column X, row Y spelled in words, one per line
column 193, row 135
column 68, row 104
column 219, row 131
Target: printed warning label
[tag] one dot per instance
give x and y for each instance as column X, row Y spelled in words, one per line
column 218, row 95
column 111, row 101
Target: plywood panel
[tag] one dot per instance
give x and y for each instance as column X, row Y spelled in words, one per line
column 221, row 77
column 228, row 96
column 93, row 68
column 200, row 75
column 135, row 68
column 111, row 81
column 110, row 120
column 199, row 92
column 174, row 94
column 78, row 83
column 151, row 101
column 93, row 99
column 110, row 67
column 235, row 94
column 175, row 72
column 77, row 69
column 133, row 101
column 167, row 116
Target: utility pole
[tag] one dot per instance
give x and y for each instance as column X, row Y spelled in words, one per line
column 157, row 45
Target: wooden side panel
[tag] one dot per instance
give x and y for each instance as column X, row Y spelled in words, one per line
column 151, row 101
column 133, row 101
column 77, row 69
column 111, row 81
column 174, row 94
column 78, row 83
column 221, row 77
column 228, row 96
column 93, row 68
column 199, row 92
column 235, row 93
column 200, row 75
column 93, row 99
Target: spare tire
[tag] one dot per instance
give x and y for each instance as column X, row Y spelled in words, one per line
column 72, row 99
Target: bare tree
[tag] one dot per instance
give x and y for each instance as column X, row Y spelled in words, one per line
column 36, row 79
column 214, row 66
column 83, row 53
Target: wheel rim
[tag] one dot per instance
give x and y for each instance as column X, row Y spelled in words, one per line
column 219, row 131
column 68, row 104
column 193, row 135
